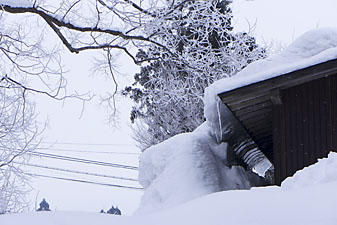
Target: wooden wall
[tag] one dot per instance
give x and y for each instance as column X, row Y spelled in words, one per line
column 304, row 126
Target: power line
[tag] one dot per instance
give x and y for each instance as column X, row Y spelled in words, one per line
column 84, row 181
column 86, row 151
column 81, row 160
column 78, row 172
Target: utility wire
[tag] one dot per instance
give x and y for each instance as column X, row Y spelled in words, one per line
column 81, row 160
column 78, row 172
column 86, row 151
column 84, row 181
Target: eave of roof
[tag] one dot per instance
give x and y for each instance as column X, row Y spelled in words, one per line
column 252, row 104
column 281, row 81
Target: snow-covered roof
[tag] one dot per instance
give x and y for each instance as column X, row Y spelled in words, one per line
column 312, row 48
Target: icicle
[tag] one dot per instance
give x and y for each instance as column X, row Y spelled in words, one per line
column 219, row 136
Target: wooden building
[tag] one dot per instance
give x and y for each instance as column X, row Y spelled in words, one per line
column 291, row 117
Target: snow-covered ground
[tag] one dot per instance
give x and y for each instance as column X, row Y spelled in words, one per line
column 309, row 197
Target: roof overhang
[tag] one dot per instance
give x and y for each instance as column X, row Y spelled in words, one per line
column 253, row 104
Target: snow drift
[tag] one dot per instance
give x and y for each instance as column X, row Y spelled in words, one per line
column 325, row 171
column 185, row 167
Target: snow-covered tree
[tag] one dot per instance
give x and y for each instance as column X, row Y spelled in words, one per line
column 114, row 211
column 18, row 137
column 168, row 91
column 22, row 56
column 44, row 206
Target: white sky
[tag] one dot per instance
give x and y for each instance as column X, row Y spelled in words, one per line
column 283, row 21
column 276, row 22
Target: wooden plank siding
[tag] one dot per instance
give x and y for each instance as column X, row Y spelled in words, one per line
column 302, row 126
column 334, row 113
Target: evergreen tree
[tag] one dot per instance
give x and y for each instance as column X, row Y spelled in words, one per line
column 111, row 210
column 44, row 206
column 203, row 48
column 117, row 211
column 114, row 211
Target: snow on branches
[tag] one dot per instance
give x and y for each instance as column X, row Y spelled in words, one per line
column 168, row 91
column 18, row 137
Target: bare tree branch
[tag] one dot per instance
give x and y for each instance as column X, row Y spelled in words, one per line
column 50, row 19
column 75, row 3
column 54, row 96
column 132, row 4
column 19, row 132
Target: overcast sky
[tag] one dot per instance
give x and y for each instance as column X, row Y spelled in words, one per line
column 274, row 22
column 283, row 21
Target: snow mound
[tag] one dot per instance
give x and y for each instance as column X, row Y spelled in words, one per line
column 185, row 167
column 325, row 171
column 311, row 44
column 313, row 47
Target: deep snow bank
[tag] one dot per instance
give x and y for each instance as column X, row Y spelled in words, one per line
column 185, row 167
column 325, row 171
column 311, row 200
